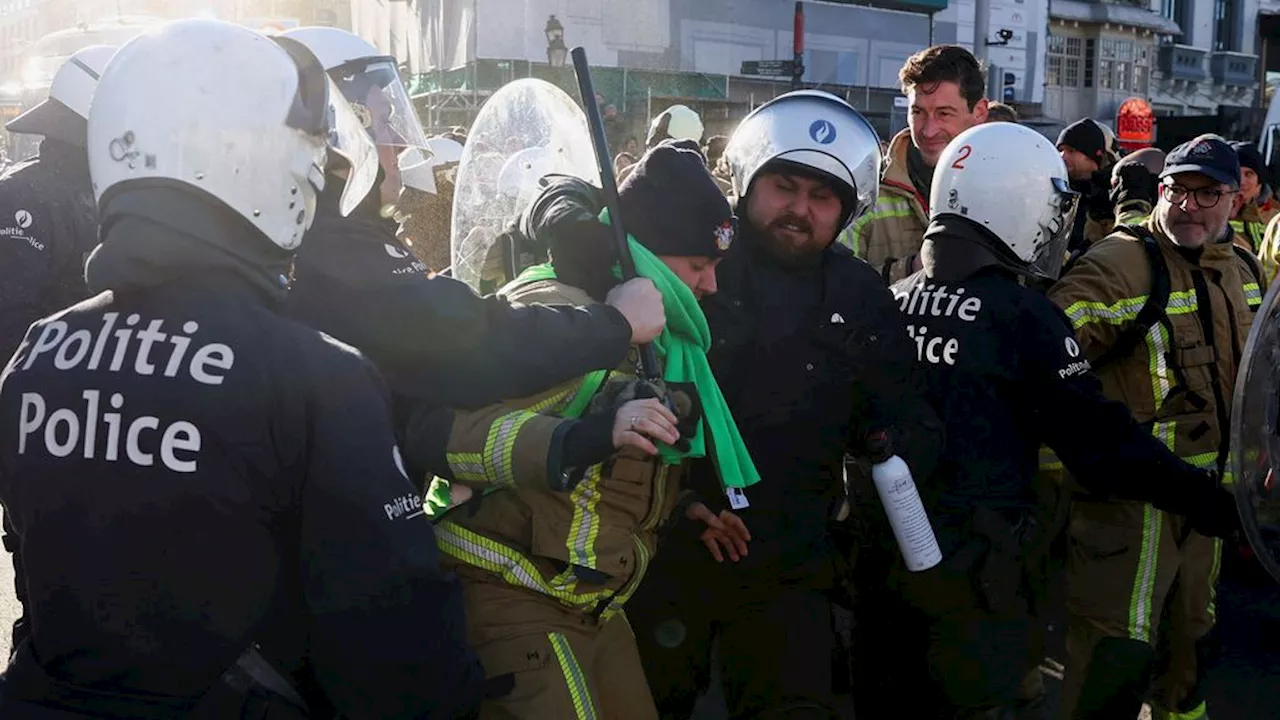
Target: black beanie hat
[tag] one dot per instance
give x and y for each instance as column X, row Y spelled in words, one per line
column 1251, row 157
column 672, row 206
column 1085, row 136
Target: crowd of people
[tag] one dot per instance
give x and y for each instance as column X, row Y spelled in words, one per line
column 335, row 482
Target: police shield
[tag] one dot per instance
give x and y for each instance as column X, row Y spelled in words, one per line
column 527, row 129
column 1255, row 435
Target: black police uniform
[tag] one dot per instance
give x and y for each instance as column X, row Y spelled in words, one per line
column 191, row 473
column 810, row 360
column 48, row 226
column 1006, row 375
column 433, row 338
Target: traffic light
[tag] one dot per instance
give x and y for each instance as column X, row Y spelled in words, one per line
column 1008, row 93
column 1001, row 84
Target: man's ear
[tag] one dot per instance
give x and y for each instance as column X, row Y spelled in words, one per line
column 980, row 110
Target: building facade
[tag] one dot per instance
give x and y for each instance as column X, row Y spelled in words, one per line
column 692, row 51
column 1186, row 57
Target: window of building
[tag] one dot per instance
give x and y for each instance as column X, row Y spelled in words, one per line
column 1065, row 65
column 1124, row 65
column 1224, row 24
column 1175, row 10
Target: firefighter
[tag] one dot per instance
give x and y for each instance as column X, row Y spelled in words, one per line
column 945, row 88
column 1254, row 205
column 568, row 488
column 1162, row 311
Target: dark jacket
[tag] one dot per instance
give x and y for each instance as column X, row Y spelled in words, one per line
column 226, row 477
column 811, row 360
column 434, row 339
column 1007, row 375
column 48, row 226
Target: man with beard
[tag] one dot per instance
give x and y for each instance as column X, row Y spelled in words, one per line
column 1161, row 311
column 945, row 87
column 813, row 357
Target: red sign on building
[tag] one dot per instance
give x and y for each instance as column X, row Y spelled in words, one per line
column 1135, row 124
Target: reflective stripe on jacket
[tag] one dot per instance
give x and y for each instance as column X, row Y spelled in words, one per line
column 889, row 235
column 1180, row 379
column 587, row 548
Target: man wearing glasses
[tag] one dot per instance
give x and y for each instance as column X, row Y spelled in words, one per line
column 1162, row 311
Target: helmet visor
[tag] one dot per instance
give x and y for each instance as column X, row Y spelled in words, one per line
column 349, row 141
column 1052, row 253
column 382, row 103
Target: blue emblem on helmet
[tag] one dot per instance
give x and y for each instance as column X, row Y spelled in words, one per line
column 822, row 132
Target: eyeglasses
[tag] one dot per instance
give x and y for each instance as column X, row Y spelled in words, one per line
column 1205, row 197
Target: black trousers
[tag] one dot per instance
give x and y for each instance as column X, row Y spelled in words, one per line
column 777, row 647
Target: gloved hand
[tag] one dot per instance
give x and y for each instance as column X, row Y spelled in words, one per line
column 1216, row 515
column 1133, row 182
column 1098, row 200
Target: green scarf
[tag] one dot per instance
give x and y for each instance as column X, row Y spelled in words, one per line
column 683, row 347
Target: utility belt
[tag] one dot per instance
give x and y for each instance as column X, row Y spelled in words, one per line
column 251, row 688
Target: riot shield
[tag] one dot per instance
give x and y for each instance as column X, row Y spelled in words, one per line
column 1255, row 434
column 527, row 129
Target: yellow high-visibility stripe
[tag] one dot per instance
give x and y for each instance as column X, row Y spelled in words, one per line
column 1144, row 582
column 574, row 678
column 585, row 526
column 479, row 551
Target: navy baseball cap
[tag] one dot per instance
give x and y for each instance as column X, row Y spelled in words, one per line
column 1208, row 155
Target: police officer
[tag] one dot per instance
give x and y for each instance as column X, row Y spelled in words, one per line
column 207, row 492
column 812, row 355
column 435, row 340
column 48, row 222
column 1007, row 374
column 47, row 214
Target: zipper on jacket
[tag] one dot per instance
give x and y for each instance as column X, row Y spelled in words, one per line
column 1204, row 309
column 656, row 500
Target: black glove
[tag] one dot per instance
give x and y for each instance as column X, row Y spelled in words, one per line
column 1214, row 511
column 1134, row 183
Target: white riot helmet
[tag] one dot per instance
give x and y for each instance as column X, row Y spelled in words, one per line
column 370, row 80
column 63, row 114
column 677, row 122
column 1011, row 180
column 816, row 131
column 249, row 123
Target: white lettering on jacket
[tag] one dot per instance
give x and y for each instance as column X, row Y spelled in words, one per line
column 103, row 428
column 926, row 300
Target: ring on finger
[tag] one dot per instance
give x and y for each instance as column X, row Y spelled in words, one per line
column 634, row 420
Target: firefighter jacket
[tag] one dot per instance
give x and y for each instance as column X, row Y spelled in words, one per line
column 889, row 235
column 1269, row 251
column 587, row 546
column 1249, row 227
column 1178, row 380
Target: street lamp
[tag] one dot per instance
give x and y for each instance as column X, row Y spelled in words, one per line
column 556, row 50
